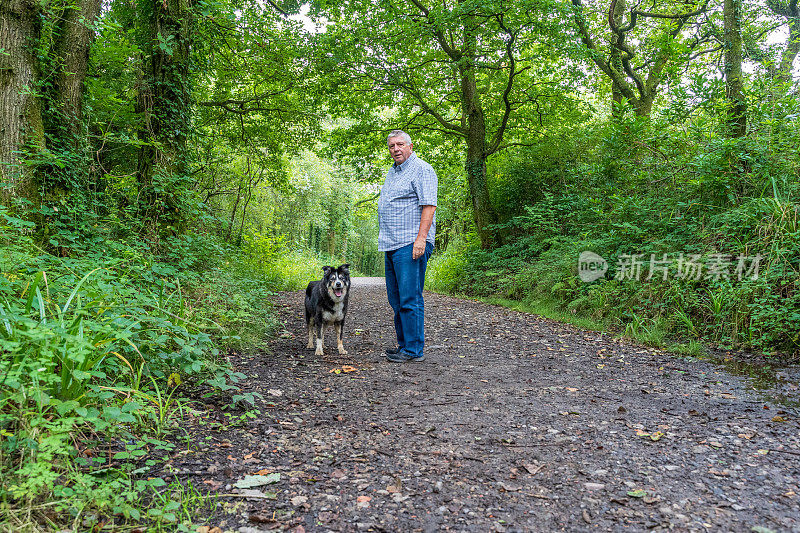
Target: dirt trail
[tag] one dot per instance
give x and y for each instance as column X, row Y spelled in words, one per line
column 513, row 423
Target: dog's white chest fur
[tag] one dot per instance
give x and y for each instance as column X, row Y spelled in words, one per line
column 336, row 316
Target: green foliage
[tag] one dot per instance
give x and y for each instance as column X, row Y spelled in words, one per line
column 672, row 193
column 271, row 260
column 93, row 350
column 446, row 270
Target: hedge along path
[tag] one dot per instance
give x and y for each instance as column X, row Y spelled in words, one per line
column 513, row 423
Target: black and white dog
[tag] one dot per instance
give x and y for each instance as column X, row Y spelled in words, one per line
column 326, row 305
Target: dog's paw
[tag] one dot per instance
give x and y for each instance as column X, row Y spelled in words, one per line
column 310, row 345
column 342, row 351
column 318, row 352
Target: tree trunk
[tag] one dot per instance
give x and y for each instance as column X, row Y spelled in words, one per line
column 21, row 126
column 791, row 12
column 644, row 106
column 72, row 50
column 331, row 242
column 737, row 119
column 244, row 218
column 615, row 59
column 791, row 50
column 483, row 210
column 229, row 231
column 164, row 100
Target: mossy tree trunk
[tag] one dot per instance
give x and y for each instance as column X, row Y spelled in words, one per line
column 483, row 211
column 164, row 100
column 21, row 126
column 734, row 84
column 72, row 48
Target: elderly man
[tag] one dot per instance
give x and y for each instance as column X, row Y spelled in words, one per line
column 407, row 221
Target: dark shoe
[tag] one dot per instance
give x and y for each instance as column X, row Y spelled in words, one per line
column 404, row 357
column 391, row 351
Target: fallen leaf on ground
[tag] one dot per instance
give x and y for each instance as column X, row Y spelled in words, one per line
column 327, row 517
column 363, row 501
column 257, row 494
column 533, row 469
column 299, row 500
column 638, row 493
column 249, row 482
column 212, row 484
column 265, row 520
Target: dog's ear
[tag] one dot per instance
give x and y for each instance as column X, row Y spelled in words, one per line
column 326, row 270
column 346, row 268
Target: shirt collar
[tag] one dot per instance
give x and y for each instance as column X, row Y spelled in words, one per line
column 404, row 165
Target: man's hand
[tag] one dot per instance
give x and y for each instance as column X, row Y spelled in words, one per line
column 424, row 225
column 419, row 249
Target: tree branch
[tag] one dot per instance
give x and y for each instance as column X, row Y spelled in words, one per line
column 594, row 54
column 512, row 73
column 448, row 49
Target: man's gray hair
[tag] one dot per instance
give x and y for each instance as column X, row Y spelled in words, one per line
column 399, row 133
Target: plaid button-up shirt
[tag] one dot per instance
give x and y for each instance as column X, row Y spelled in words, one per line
column 407, row 188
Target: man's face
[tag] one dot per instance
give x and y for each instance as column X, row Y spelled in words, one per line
column 399, row 149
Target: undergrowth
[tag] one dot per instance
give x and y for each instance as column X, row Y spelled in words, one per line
column 728, row 222
column 98, row 344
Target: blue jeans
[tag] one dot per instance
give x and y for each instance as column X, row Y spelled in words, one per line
column 405, row 278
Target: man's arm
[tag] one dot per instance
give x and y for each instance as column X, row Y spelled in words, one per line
column 424, row 225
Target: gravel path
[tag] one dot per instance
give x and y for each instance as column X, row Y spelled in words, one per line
column 513, row 423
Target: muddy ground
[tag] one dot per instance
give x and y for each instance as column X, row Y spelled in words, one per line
column 513, row 423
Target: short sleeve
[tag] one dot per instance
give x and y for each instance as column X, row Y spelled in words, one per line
column 426, row 186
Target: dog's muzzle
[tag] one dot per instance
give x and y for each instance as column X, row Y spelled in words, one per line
column 338, row 289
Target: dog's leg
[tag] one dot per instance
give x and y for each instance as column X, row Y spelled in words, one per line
column 320, row 336
column 310, row 328
column 339, row 329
